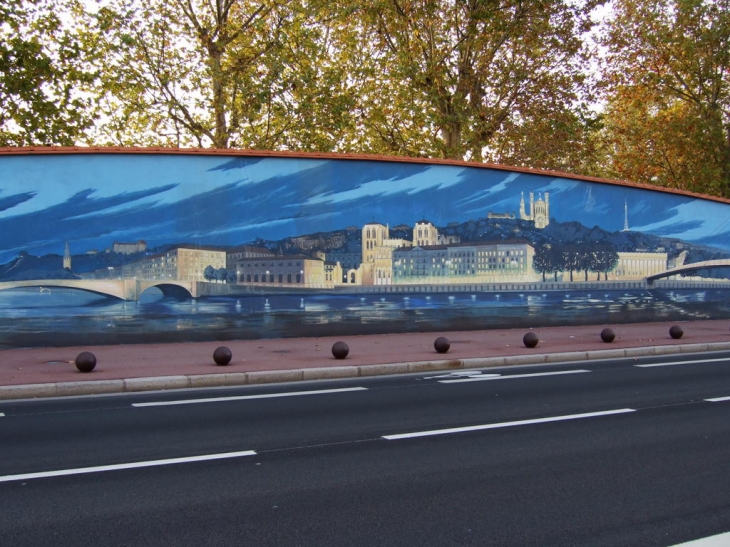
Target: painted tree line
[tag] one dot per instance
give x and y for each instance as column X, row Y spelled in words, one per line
column 632, row 89
column 552, row 259
column 211, row 273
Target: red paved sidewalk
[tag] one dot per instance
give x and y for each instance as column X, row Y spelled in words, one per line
column 56, row 365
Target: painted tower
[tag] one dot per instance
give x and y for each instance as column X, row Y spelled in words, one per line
column 373, row 236
column 67, row 258
column 539, row 212
column 425, row 233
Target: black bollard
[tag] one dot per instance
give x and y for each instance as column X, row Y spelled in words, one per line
column 222, row 355
column 530, row 340
column 676, row 332
column 85, row 361
column 607, row 335
column 441, row 344
column 340, row 350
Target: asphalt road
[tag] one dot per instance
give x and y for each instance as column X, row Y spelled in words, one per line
column 593, row 453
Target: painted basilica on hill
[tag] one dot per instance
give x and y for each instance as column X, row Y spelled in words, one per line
column 538, row 211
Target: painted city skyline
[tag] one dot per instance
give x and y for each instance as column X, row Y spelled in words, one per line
column 95, row 200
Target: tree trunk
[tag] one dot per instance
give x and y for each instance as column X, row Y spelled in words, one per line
column 220, row 137
column 451, row 133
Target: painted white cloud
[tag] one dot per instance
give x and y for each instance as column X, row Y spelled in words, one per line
column 560, row 185
column 237, row 228
column 110, row 175
column 483, row 194
column 712, row 216
column 435, row 177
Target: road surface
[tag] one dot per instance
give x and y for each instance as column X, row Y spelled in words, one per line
column 619, row 452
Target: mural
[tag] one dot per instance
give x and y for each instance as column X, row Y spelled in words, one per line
column 126, row 246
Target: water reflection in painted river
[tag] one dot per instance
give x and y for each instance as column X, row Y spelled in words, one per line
column 30, row 317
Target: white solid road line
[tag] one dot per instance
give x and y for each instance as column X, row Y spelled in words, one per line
column 133, row 465
column 247, row 397
column 505, row 424
column 682, row 363
column 510, row 377
column 461, row 374
column 718, row 400
column 720, row 540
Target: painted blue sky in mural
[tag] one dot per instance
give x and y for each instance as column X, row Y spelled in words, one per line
column 94, row 200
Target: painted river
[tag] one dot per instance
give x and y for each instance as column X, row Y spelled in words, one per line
column 60, row 317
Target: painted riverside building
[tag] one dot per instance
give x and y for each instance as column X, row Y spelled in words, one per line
column 179, row 263
column 465, row 263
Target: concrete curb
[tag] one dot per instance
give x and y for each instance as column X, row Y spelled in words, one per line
column 133, row 385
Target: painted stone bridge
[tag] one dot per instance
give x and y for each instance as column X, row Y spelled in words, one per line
column 124, row 289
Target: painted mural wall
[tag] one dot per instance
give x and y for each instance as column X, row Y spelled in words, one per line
column 127, row 246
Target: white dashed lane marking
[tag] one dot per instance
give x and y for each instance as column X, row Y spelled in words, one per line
column 121, row 466
column 486, row 377
column 248, row 397
column 721, row 540
column 470, row 428
column 675, row 363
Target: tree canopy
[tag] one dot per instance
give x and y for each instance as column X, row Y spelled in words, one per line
column 42, row 76
column 475, row 79
column 667, row 76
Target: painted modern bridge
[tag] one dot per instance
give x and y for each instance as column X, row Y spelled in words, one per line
column 689, row 268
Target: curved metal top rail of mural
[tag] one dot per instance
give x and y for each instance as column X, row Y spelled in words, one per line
column 45, row 150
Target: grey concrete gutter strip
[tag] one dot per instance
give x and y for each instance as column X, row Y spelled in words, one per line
column 156, row 383
column 218, row 380
column 31, row 391
column 330, row 373
column 131, row 385
column 64, row 389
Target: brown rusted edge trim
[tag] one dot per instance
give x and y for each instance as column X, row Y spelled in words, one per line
column 47, row 150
